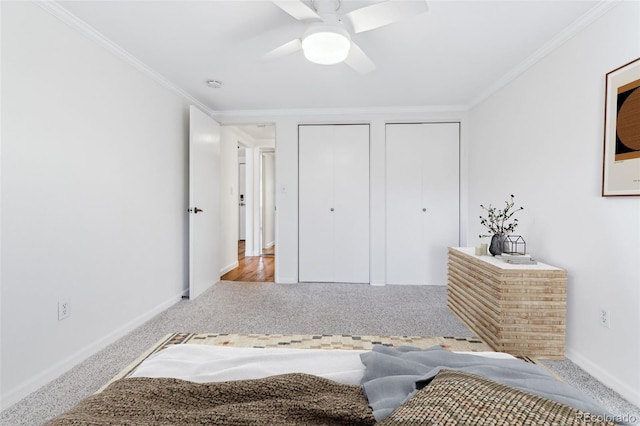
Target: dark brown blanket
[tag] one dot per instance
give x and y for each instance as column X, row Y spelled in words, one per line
column 459, row 398
column 291, row 399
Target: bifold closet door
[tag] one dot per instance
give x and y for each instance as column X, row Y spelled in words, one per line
column 334, row 203
column 422, row 201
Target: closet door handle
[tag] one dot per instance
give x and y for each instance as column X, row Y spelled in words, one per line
column 331, row 209
column 424, row 209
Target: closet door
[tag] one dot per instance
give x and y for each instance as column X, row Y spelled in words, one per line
column 422, row 201
column 406, row 221
column 334, row 203
column 315, row 219
column 441, row 196
column 351, row 202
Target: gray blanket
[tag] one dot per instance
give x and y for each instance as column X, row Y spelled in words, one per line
column 393, row 375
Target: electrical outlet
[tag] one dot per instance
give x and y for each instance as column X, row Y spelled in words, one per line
column 64, row 309
column 605, row 318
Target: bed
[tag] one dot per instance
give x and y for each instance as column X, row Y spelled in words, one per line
column 351, row 380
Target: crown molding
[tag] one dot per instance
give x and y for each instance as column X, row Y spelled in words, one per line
column 87, row 30
column 593, row 14
column 76, row 23
column 340, row 111
column 578, row 25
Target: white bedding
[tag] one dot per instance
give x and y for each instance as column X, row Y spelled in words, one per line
column 205, row 363
column 208, row 363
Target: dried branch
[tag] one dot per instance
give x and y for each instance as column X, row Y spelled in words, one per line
column 497, row 221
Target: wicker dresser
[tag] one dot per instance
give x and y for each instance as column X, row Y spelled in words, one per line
column 518, row 309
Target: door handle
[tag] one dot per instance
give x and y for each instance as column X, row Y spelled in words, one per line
column 424, row 210
column 195, row 210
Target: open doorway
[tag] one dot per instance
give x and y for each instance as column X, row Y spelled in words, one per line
column 256, row 203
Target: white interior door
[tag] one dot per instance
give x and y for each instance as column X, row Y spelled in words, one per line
column 405, row 218
column 334, row 203
column 441, row 195
column 351, row 203
column 242, row 202
column 422, row 201
column 204, row 202
column 315, row 203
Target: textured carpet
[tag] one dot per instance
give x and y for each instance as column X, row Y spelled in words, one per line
column 267, row 308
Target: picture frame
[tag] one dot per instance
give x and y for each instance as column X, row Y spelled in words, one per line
column 621, row 157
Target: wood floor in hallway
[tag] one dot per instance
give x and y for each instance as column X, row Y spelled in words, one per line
column 253, row 268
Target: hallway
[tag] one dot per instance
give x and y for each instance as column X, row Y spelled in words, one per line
column 253, row 268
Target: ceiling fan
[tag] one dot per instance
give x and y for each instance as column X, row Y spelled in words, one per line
column 327, row 39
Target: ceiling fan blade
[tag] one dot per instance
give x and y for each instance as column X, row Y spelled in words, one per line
column 298, row 10
column 384, row 13
column 281, row 51
column 358, row 60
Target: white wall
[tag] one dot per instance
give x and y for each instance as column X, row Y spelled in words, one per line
column 287, row 177
column 94, row 161
column 252, row 242
column 540, row 138
column 268, row 199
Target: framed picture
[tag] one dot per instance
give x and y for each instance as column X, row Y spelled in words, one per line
column 621, row 161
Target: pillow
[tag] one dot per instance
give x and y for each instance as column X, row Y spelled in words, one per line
column 459, row 398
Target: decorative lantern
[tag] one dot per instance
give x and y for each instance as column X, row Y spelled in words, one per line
column 514, row 244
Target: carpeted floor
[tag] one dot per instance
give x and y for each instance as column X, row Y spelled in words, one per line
column 267, row 308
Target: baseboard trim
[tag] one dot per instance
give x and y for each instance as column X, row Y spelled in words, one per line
column 422, row 284
column 14, row 395
column 378, row 283
column 230, row 267
column 286, row 280
column 269, row 245
column 627, row 392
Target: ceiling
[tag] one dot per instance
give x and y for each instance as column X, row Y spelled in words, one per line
column 449, row 56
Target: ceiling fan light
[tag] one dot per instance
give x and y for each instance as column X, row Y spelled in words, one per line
column 326, row 46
